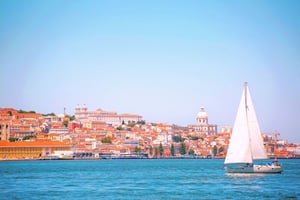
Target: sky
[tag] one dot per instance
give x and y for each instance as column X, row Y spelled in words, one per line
column 162, row 59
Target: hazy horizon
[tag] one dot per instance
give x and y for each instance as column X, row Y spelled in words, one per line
column 160, row 59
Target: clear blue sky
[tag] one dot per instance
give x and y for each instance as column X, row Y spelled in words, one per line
column 160, row 59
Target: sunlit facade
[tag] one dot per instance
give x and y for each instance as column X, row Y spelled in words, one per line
column 30, row 149
column 202, row 126
column 82, row 114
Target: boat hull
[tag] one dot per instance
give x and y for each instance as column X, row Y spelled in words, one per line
column 268, row 168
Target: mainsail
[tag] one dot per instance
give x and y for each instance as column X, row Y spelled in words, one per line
column 246, row 142
column 256, row 142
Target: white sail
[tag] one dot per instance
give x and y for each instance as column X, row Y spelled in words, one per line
column 239, row 150
column 246, row 143
column 257, row 147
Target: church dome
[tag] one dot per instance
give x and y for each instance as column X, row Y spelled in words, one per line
column 202, row 113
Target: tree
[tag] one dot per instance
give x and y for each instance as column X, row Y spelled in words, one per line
column 9, row 113
column 151, row 150
column 182, row 149
column 177, row 138
column 137, row 149
column 161, row 149
column 191, row 152
column 172, row 150
column 120, row 128
column 221, row 149
column 141, row 122
column 27, row 137
column 106, row 140
column 156, row 151
column 215, row 150
column 12, row 139
column 72, row 117
column 65, row 122
column 23, row 111
column 194, row 138
column 131, row 123
column 49, row 114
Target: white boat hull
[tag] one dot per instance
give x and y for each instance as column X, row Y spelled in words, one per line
column 268, row 168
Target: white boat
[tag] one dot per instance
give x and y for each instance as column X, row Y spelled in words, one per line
column 246, row 144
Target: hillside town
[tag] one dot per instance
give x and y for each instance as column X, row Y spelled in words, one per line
column 101, row 134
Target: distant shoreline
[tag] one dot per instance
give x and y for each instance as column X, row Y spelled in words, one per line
column 121, row 158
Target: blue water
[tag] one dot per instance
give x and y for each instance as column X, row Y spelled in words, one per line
column 142, row 179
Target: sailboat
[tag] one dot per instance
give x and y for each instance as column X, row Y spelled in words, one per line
column 246, row 144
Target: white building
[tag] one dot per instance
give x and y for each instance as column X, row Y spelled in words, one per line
column 82, row 114
column 202, row 126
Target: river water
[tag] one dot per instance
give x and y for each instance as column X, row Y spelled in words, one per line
column 143, row 179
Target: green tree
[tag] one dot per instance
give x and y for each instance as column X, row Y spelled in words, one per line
column 131, row 123
column 156, row 151
column 182, row 148
column 49, row 114
column 12, row 139
column 27, row 137
column 106, row 140
column 72, row 118
column 23, row 111
column 65, row 122
column 161, row 149
column 172, row 149
column 191, row 152
column 120, row 128
column 137, row 149
column 177, row 138
column 151, row 151
column 221, row 149
column 9, row 113
column 194, row 138
column 215, row 150
column 141, row 122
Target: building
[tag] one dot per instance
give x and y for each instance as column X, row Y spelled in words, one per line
column 59, row 130
column 202, row 126
column 93, row 124
column 82, row 114
column 30, row 149
column 17, row 124
column 19, row 131
column 72, row 125
column 4, row 131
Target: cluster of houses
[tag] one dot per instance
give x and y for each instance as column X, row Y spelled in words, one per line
column 103, row 134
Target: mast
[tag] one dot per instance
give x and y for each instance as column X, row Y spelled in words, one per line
column 246, row 110
column 245, row 89
column 255, row 139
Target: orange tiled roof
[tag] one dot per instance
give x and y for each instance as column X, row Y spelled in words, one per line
column 128, row 115
column 40, row 143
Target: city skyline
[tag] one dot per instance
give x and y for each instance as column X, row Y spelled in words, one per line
column 162, row 60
